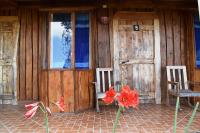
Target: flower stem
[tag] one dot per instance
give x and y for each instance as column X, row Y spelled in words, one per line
column 191, row 118
column 117, row 118
column 46, row 123
column 175, row 116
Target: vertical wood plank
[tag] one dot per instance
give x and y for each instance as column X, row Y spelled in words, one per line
column 163, row 50
column 158, row 61
column 54, row 88
column 43, row 87
column 35, row 54
column 176, row 36
column 22, row 55
column 68, row 86
column 183, row 40
column 29, row 70
column 91, row 89
column 169, row 37
column 103, row 43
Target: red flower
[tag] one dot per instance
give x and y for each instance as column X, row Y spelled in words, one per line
column 128, row 97
column 60, row 104
column 48, row 110
column 30, row 113
column 30, row 106
column 110, row 95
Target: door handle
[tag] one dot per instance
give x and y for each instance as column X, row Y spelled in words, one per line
column 123, row 62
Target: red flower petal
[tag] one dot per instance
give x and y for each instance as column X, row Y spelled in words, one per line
column 61, row 104
column 60, row 107
column 31, row 112
column 128, row 98
column 48, row 110
column 30, row 106
column 110, row 95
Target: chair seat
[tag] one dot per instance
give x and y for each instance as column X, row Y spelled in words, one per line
column 185, row 93
column 101, row 95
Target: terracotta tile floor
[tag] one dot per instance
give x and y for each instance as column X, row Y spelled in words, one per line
column 149, row 118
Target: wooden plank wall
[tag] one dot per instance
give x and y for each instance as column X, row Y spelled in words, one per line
column 176, row 40
column 74, row 85
column 103, row 51
column 175, row 32
column 31, row 40
column 176, row 47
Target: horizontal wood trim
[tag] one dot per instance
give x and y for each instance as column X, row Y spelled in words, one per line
column 135, row 15
column 68, row 9
column 8, row 18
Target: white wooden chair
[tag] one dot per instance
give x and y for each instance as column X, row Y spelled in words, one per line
column 178, row 85
column 103, row 82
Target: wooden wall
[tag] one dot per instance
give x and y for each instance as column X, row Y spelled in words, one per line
column 177, row 48
column 173, row 43
column 176, row 32
column 75, row 85
column 32, row 40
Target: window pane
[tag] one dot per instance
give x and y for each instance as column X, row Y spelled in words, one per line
column 61, row 41
column 82, row 41
column 197, row 40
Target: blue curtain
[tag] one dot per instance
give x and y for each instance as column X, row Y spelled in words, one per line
column 197, row 40
column 82, row 41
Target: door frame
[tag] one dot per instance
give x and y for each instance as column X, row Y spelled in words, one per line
column 157, row 58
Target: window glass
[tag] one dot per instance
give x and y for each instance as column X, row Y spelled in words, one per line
column 61, row 34
column 197, row 40
column 82, row 41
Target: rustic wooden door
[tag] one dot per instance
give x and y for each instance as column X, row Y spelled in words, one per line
column 9, row 30
column 137, row 53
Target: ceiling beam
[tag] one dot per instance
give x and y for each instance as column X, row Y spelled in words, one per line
column 118, row 4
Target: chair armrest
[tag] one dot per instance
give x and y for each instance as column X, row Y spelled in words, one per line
column 93, row 83
column 174, row 83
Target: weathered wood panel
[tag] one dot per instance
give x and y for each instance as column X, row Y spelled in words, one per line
column 29, row 53
column 163, row 47
column 43, row 87
column 169, row 38
column 176, row 37
column 103, row 43
column 35, row 54
column 29, row 59
column 22, row 56
column 54, row 88
column 74, row 85
column 82, row 90
column 69, row 89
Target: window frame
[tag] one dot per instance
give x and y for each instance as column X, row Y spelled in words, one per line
column 73, row 25
column 195, row 43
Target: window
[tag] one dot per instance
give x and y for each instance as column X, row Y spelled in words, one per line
column 62, row 32
column 197, row 40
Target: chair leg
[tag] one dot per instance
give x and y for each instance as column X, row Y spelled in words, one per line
column 167, row 98
column 97, row 105
column 189, row 103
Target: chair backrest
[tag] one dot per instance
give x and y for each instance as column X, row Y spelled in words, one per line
column 103, row 77
column 177, row 74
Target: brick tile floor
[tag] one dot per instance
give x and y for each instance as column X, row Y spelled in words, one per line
column 149, row 118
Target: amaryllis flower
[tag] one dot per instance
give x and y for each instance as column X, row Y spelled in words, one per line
column 128, row 97
column 60, row 104
column 30, row 113
column 48, row 110
column 110, row 96
column 30, row 106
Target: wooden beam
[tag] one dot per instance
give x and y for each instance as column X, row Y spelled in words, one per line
column 167, row 4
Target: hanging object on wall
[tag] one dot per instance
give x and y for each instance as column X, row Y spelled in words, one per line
column 104, row 19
